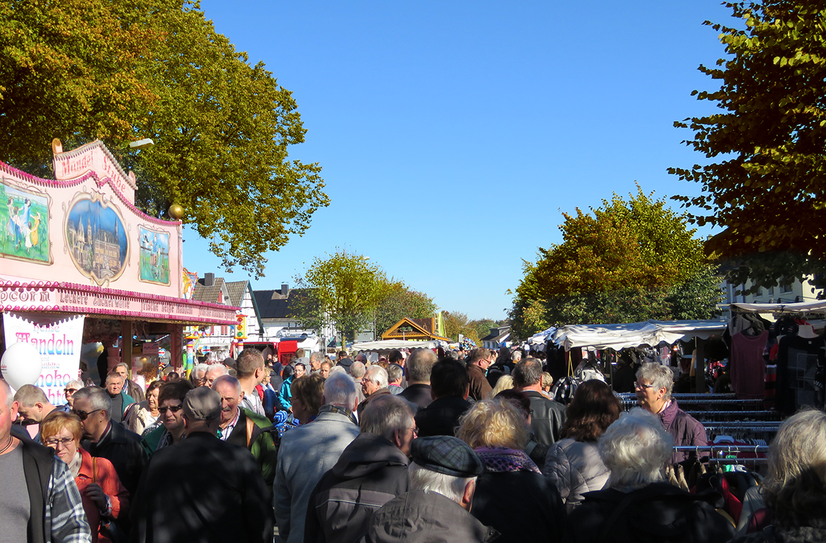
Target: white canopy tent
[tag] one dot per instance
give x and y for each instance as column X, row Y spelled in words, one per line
column 394, row 344
column 624, row 336
column 542, row 337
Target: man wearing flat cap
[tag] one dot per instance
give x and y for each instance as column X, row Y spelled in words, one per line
column 202, row 489
column 443, row 475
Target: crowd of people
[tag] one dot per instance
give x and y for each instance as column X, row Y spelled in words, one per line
column 413, row 447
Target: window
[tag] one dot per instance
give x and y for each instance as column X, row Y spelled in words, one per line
column 785, row 286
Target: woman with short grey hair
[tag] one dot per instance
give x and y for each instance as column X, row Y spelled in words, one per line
column 638, row 506
column 653, row 389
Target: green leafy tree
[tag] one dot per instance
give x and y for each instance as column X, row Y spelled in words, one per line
column 619, row 264
column 401, row 302
column 483, row 326
column 121, row 71
column 623, row 244
column 344, row 289
column 457, row 323
column 764, row 183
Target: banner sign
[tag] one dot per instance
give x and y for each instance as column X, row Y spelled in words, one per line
column 57, row 338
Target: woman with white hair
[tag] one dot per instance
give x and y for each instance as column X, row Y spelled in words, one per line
column 795, row 488
column 637, row 504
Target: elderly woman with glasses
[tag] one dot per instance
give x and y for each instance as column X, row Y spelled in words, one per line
column 638, row 505
column 104, row 497
column 512, row 488
column 143, row 417
column 653, row 389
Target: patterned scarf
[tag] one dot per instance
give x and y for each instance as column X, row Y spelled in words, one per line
column 506, row 460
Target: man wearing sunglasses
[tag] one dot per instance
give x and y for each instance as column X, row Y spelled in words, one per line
column 105, row 438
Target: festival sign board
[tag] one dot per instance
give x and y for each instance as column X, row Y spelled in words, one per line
column 57, row 339
column 83, row 227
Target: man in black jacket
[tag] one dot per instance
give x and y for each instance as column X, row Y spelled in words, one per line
column 202, row 489
column 449, row 385
column 419, row 366
column 107, row 439
column 547, row 416
column 371, row 471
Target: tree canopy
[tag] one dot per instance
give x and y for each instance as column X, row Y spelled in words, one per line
column 344, row 289
column 765, row 180
column 121, row 71
column 626, row 261
column 400, row 302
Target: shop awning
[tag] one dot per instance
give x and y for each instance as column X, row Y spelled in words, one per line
column 795, row 307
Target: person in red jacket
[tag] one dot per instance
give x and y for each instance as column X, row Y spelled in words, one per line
column 103, row 495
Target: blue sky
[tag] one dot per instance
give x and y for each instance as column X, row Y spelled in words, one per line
column 453, row 135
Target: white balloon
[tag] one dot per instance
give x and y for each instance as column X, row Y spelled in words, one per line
column 20, row 365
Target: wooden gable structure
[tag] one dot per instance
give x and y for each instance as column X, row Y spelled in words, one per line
column 414, row 329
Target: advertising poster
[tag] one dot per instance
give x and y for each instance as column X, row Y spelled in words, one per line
column 57, row 338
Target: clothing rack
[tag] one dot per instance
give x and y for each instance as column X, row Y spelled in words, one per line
column 755, row 449
column 736, row 461
column 702, row 416
column 684, row 396
column 757, row 426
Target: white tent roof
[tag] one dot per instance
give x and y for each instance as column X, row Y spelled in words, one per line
column 796, row 307
column 541, row 337
column 394, row 344
column 623, row 336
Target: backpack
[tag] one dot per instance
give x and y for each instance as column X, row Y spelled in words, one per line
column 563, row 390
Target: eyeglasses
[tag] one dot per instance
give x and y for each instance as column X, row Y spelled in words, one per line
column 70, row 390
column 84, row 415
column 415, row 431
column 55, row 442
column 642, row 385
column 173, row 408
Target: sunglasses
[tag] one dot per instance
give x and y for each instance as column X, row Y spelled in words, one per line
column 70, row 390
column 84, row 415
column 173, row 408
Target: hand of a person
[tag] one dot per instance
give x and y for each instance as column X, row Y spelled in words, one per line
column 95, row 493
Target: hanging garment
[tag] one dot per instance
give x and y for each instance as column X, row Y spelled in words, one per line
column 747, row 366
column 799, row 381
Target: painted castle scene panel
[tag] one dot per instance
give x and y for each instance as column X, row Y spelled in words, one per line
column 96, row 240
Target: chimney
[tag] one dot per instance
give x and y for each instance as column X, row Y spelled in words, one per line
column 209, row 279
column 285, row 289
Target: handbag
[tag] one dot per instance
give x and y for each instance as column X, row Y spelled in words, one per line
column 108, row 528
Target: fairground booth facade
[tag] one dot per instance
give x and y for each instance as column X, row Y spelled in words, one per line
column 87, row 279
